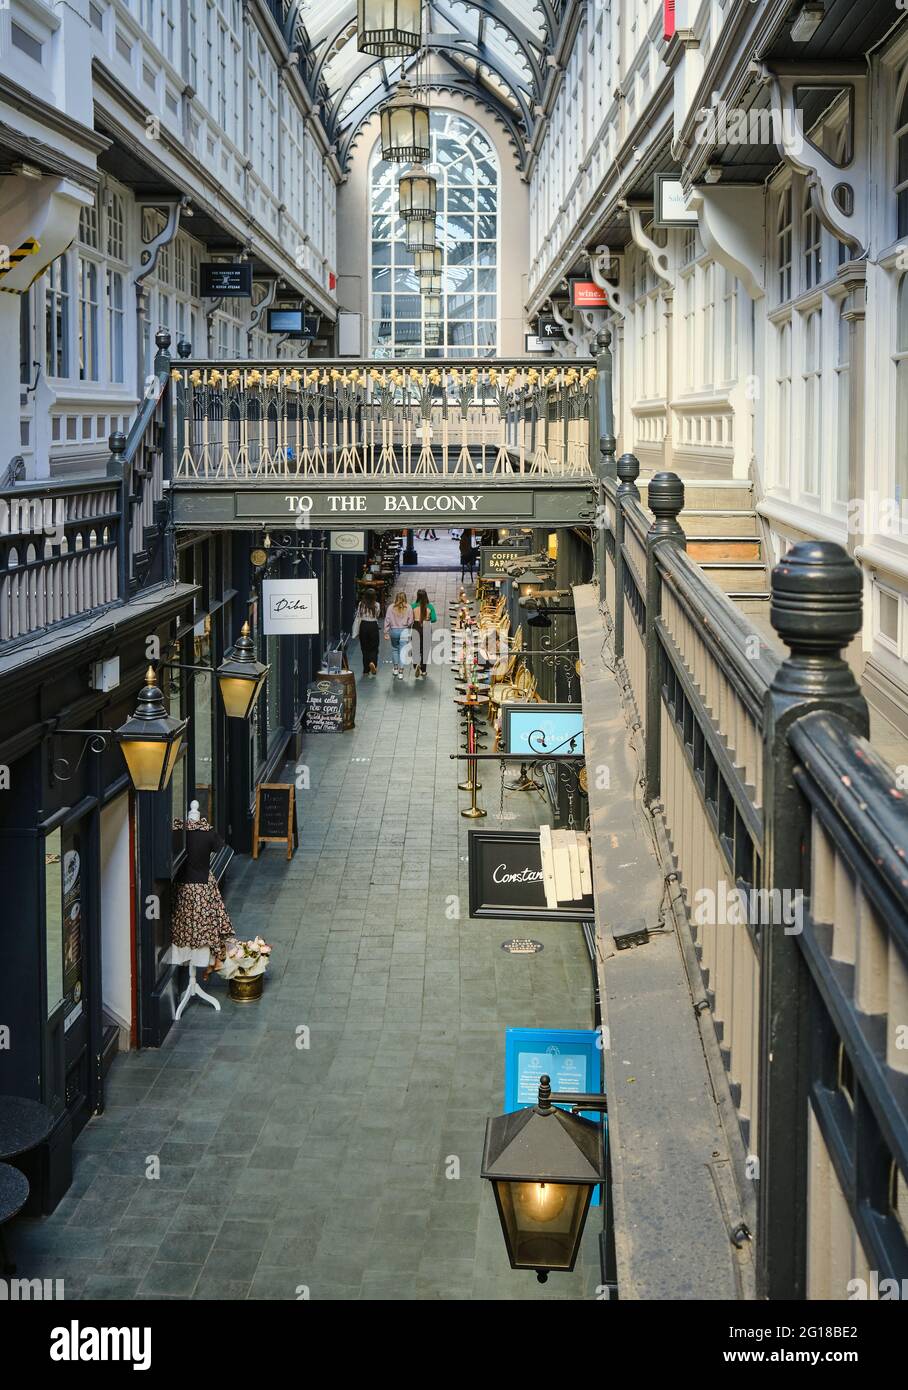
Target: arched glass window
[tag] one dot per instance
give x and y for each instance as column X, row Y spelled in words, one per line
column 901, row 391
column 901, row 165
column 466, row 167
column 813, row 386
column 843, row 405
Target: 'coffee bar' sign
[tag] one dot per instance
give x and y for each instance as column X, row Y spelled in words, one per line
column 506, row 879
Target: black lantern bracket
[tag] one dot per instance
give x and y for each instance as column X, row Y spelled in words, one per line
column 96, row 741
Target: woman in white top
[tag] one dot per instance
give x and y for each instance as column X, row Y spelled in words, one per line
column 398, row 621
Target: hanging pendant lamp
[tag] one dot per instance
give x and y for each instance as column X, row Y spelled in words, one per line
column 432, row 331
column 420, row 233
column 427, row 264
column 431, row 306
column 405, row 128
column 418, row 193
column 389, row 28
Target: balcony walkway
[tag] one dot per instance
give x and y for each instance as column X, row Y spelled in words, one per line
column 326, row 1167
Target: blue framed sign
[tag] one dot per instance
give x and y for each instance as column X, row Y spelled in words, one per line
column 572, row 1057
column 542, row 731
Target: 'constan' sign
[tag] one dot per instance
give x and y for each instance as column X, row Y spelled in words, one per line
column 506, row 879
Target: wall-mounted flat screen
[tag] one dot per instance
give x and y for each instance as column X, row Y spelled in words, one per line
column 294, row 322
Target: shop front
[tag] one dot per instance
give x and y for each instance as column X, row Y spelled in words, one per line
column 78, row 850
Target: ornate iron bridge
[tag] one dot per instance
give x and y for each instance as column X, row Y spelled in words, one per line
column 427, row 419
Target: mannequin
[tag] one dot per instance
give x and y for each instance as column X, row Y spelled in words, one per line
column 200, row 925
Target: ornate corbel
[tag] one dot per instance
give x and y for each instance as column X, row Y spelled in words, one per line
column 151, row 250
column 730, row 221
column 658, row 255
column 826, row 178
column 572, row 331
column 259, row 312
column 599, row 261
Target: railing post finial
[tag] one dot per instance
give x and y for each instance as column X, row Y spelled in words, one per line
column 184, row 348
column 816, row 610
column 628, row 472
column 665, row 499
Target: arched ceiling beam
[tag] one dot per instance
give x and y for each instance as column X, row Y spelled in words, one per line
column 482, row 96
column 526, row 41
column 450, row 45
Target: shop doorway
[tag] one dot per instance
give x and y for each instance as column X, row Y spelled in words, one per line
column 117, row 946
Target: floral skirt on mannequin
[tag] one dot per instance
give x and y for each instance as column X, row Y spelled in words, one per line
column 199, row 917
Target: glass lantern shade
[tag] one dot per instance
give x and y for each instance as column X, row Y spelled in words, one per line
column 542, row 1222
column 405, row 128
column 389, row 28
column 151, row 740
column 432, row 332
column 431, row 306
column 544, row 1165
column 418, row 194
column 428, row 263
column 430, row 284
column 241, row 677
column 420, row 233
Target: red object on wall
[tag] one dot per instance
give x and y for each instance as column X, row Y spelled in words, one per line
column 586, row 294
column 332, row 280
column 668, row 18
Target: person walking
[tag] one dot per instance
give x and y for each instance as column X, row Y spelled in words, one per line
column 423, row 617
column 467, row 553
column 398, row 622
column 365, row 627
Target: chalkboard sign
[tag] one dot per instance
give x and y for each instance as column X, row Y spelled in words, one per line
column 506, row 879
column 325, row 708
column 275, row 816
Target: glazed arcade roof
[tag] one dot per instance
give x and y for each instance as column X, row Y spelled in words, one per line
column 492, row 50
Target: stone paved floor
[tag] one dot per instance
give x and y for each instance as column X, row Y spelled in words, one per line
column 324, row 1167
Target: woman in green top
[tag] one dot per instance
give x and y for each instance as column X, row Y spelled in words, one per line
column 423, row 618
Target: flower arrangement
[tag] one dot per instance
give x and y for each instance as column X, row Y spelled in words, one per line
column 246, row 959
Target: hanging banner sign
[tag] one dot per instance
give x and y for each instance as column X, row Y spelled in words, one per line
column 506, row 879
column 228, row 280
column 289, row 606
column 494, row 559
column 533, row 343
column 550, row 731
column 586, row 294
column 670, row 210
column 348, row 542
column 549, row 329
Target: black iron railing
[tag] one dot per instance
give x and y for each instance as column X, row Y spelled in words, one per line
column 790, row 839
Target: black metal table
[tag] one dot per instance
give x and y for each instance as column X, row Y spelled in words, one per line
column 13, row 1196
column 24, row 1124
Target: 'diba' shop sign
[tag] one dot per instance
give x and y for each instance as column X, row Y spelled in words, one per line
column 506, row 879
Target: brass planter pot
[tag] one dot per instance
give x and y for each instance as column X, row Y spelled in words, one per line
column 245, row 991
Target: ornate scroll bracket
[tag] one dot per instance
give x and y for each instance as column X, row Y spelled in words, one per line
column 658, row 255
column 840, row 191
column 151, row 250
column 599, row 262
column 730, row 222
column 259, row 312
column 576, row 335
